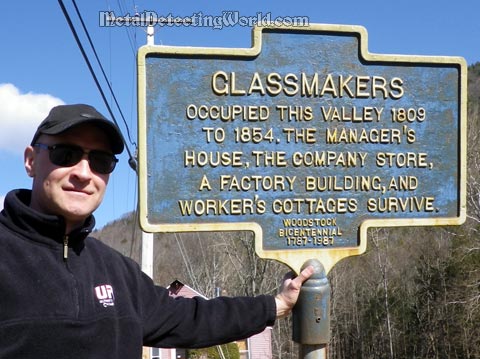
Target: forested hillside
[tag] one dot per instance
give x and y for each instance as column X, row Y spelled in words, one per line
column 414, row 294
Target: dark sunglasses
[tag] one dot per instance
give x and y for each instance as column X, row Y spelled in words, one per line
column 69, row 155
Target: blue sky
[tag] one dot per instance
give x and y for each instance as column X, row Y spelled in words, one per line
column 41, row 65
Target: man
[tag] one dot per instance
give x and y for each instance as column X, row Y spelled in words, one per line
column 64, row 294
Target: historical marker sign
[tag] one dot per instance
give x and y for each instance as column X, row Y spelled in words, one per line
column 305, row 138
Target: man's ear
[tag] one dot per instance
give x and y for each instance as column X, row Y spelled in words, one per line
column 29, row 161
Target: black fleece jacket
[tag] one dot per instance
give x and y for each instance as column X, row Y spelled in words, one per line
column 98, row 303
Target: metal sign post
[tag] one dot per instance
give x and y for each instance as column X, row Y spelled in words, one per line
column 311, row 314
column 306, row 139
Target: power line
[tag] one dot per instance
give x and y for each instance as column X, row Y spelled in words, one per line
column 132, row 161
column 101, row 67
column 131, row 38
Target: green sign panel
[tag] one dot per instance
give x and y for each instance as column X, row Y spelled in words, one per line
column 305, row 139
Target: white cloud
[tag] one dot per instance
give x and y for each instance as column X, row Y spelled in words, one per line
column 1, row 202
column 20, row 114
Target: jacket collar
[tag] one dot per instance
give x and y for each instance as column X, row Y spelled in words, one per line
column 18, row 216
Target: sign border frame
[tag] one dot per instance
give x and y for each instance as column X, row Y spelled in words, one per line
column 297, row 257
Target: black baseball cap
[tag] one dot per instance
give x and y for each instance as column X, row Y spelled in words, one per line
column 64, row 117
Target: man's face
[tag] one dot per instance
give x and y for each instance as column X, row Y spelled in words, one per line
column 72, row 192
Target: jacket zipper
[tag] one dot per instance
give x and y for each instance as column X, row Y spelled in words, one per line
column 65, row 247
column 75, row 285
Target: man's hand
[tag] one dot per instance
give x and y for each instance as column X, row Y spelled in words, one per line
column 290, row 290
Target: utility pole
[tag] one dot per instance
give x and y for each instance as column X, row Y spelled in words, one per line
column 150, row 35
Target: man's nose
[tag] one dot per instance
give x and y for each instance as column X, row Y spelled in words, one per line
column 82, row 169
